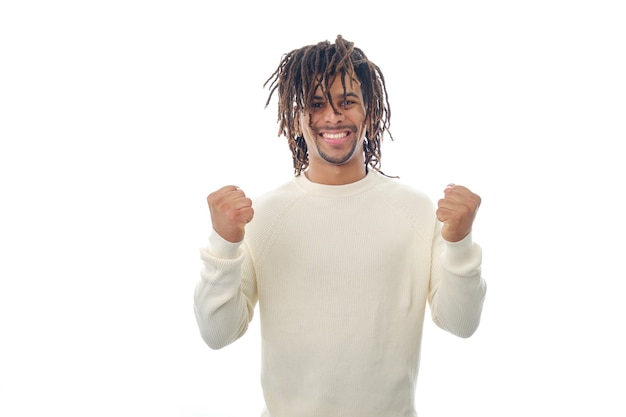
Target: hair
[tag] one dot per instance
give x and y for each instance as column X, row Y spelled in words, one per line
column 302, row 71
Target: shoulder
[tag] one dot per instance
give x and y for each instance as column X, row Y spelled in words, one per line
column 277, row 196
column 401, row 207
column 272, row 205
column 270, row 211
column 402, row 194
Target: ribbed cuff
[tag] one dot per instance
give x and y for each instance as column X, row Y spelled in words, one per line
column 221, row 248
column 463, row 257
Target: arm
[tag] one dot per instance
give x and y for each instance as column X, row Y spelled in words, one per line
column 226, row 294
column 225, row 297
column 457, row 290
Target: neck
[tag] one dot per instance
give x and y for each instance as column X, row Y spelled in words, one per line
column 335, row 174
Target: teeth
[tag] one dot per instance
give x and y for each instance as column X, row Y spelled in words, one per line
column 335, row 135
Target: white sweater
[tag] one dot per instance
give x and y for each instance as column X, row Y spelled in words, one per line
column 342, row 275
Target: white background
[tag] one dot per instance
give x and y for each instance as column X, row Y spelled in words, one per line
column 117, row 119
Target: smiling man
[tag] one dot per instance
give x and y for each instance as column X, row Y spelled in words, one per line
column 342, row 259
column 333, row 128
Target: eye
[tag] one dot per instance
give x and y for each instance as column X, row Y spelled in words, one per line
column 347, row 103
column 317, row 105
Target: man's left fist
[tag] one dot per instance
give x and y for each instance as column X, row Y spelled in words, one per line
column 457, row 210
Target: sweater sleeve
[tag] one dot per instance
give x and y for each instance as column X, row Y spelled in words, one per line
column 457, row 289
column 225, row 296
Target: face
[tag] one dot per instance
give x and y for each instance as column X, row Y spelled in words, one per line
column 335, row 138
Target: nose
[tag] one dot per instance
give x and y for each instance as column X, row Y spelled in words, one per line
column 332, row 115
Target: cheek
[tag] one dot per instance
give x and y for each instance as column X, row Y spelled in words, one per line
column 310, row 121
column 306, row 122
column 308, row 133
column 309, row 137
column 362, row 130
column 363, row 119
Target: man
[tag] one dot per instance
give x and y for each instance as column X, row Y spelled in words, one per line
column 342, row 258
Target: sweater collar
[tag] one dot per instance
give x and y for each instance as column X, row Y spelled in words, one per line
column 344, row 190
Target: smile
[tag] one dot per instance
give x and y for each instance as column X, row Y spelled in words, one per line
column 335, row 135
column 336, row 138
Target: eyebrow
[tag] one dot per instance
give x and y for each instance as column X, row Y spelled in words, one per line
column 348, row 94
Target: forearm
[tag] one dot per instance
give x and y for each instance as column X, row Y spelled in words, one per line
column 223, row 300
column 459, row 290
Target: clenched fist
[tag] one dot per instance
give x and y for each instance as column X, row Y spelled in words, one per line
column 457, row 210
column 230, row 210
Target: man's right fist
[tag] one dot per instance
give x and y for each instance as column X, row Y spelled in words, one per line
column 230, row 210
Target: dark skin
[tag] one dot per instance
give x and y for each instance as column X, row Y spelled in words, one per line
column 334, row 137
column 335, row 142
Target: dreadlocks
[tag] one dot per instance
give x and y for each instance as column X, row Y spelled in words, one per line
column 302, row 71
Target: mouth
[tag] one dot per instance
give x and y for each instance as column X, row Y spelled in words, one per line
column 335, row 137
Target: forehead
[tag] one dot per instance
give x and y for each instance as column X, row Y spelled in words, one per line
column 336, row 86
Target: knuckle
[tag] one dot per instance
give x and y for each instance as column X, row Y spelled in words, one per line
column 233, row 216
